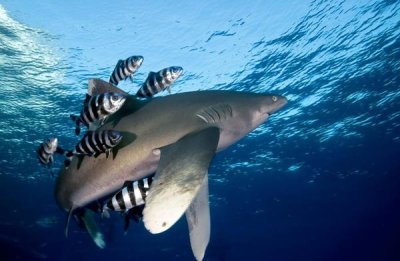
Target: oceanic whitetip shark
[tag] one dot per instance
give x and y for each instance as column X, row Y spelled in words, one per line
column 175, row 137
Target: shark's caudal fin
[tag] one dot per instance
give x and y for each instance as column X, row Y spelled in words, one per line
column 198, row 219
column 180, row 175
column 92, row 228
column 98, row 86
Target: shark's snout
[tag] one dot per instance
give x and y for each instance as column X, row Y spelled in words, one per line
column 272, row 104
column 280, row 102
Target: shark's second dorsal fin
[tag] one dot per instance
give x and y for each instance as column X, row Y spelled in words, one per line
column 180, row 174
column 98, row 86
column 198, row 219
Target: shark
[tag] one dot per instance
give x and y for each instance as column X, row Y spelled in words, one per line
column 174, row 136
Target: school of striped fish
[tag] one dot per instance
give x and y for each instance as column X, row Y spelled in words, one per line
column 95, row 110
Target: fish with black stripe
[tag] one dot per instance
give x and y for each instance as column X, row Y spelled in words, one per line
column 125, row 68
column 46, row 150
column 97, row 108
column 95, row 143
column 132, row 195
column 159, row 81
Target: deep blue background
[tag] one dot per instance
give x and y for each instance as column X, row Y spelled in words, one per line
column 319, row 181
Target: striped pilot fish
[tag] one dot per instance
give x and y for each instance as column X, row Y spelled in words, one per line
column 46, row 151
column 125, row 68
column 132, row 195
column 159, row 81
column 95, row 143
column 97, row 108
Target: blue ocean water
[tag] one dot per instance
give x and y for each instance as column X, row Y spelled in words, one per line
column 318, row 181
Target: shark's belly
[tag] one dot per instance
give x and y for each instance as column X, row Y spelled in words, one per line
column 98, row 177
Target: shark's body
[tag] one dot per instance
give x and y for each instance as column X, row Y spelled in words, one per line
column 184, row 131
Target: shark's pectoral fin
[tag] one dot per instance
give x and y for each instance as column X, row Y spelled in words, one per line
column 198, row 219
column 180, row 174
column 98, row 86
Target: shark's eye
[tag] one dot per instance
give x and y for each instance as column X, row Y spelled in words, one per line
column 274, row 98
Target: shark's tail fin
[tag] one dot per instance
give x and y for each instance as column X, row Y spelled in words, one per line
column 92, row 228
column 77, row 121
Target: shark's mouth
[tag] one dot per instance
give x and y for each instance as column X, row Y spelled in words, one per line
column 260, row 119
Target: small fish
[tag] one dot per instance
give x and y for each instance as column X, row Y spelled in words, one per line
column 46, row 151
column 125, row 68
column 132, row 195
column 159, row 81
column 97, row 108
column 94, row 143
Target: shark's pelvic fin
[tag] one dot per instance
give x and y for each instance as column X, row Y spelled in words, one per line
column 98, row 86
column 181, row 171
column 92, row 228
column 198, row 219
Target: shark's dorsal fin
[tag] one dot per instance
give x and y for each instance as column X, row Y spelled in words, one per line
column 98, row 86
column 215, row 113
column 181, row 171
column 198, row 219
